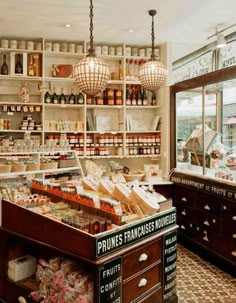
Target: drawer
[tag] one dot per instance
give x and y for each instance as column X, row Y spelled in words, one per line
column 141, row 258
column 155, row 297
column 185, row 226
column 229, row 210
column 229, row 230
column 141, row 284
column 183, row 194
column 187, row 212
column 208, row 221
column 217, row 243
column 209, row 204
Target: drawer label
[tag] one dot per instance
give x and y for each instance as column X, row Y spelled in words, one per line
column 110, row 282
column 126, row 236
column 169, row 265
column 207, row 187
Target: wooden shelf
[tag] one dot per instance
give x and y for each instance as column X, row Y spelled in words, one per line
column 76, row 106
column 105, row 106
column 63, row 54
column 142, row 132
column 115, row 82
column 21, row 103
column 142, row 106
column 113, row 132
column 19, row 50
column 63, row 132
column 20, row 78
column 19, row 131
column 28, row 284
column 54, row 79
column 34, row 172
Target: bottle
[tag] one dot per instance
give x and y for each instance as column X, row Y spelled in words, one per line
column 128, row 101
column 47, row 97
column 145, row 101
column 4, row 67
column 120, row 71
column 72, row 97
column 55, row 97
column 139, row 96
column 80, row 99
column 133, row 95
column 31, row 67
column 18, row 66
column 127, row 70
column 62, row 97
column 154, row 102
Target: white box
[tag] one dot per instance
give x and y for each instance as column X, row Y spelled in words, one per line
column 21, row 268
column 13, row 61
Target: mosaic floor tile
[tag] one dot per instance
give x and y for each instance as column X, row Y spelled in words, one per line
column 201, row 282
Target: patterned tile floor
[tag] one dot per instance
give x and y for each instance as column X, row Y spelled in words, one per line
column 200, row 282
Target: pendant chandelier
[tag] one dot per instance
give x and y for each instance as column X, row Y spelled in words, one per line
column 91, row 73
column 153, row 73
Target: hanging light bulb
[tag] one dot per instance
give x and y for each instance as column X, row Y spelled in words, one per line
column 153, row 73
column 91, row 73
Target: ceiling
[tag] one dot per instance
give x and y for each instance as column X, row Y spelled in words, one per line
column 179, row 21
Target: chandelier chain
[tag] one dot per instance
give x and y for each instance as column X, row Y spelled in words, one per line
column 91, row 24
column 153, row 38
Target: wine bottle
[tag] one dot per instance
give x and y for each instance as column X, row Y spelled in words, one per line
column 80, row 99
column 139, row 96
column 154, row 101
column 128, row 101
column 31, row 67
column 55, row 97
column 4, row 67
column 47, row 97
column 120, row 70
column 145, row 101
column 62, row 97
column 18, row 66
column 72, row 97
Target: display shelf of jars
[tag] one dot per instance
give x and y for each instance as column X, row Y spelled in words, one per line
column 20, row 78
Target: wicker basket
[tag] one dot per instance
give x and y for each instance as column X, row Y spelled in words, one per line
column 67, row 163
column 46, row 166
column 130, row 177
column 18, row 167
column 31, row 166
column 5, row 168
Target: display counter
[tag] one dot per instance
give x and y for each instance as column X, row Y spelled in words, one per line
column 206, row 215
column 135, row 262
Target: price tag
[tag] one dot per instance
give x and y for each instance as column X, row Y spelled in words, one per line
column 9, row 113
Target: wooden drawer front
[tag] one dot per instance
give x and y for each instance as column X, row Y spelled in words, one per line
column 208, row 221
column 209, row 204
column 229, row 210
column 229, row 230
column 155, row 297
column 141, row 258
column 186, row 212
column 141, row 284
column 185, row 195
column 185, row 226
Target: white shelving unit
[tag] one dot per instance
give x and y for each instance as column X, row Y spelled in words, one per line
column 9, row 88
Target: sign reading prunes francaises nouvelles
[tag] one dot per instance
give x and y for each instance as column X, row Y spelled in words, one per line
column 126, row 236
column 217, row 190
column 110, row 282
column 169, row 265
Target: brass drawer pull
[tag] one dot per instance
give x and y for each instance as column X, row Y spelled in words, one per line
column 207, row 207
column 184, row 199
column 182, row 227
column 184, row 213
column 234, row 253
column 143, row 257
column 142, row 282
column 234, row 218
column 224, row 207
column 206, row 223
column 234, row 236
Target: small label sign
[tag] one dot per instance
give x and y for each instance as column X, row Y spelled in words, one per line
column 169, row 265
column 135, row 232
column 110, row 281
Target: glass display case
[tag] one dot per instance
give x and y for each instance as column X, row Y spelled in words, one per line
column 203, row 125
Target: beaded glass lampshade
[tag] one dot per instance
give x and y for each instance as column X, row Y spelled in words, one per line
column 91, row 75
column 152, row 75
